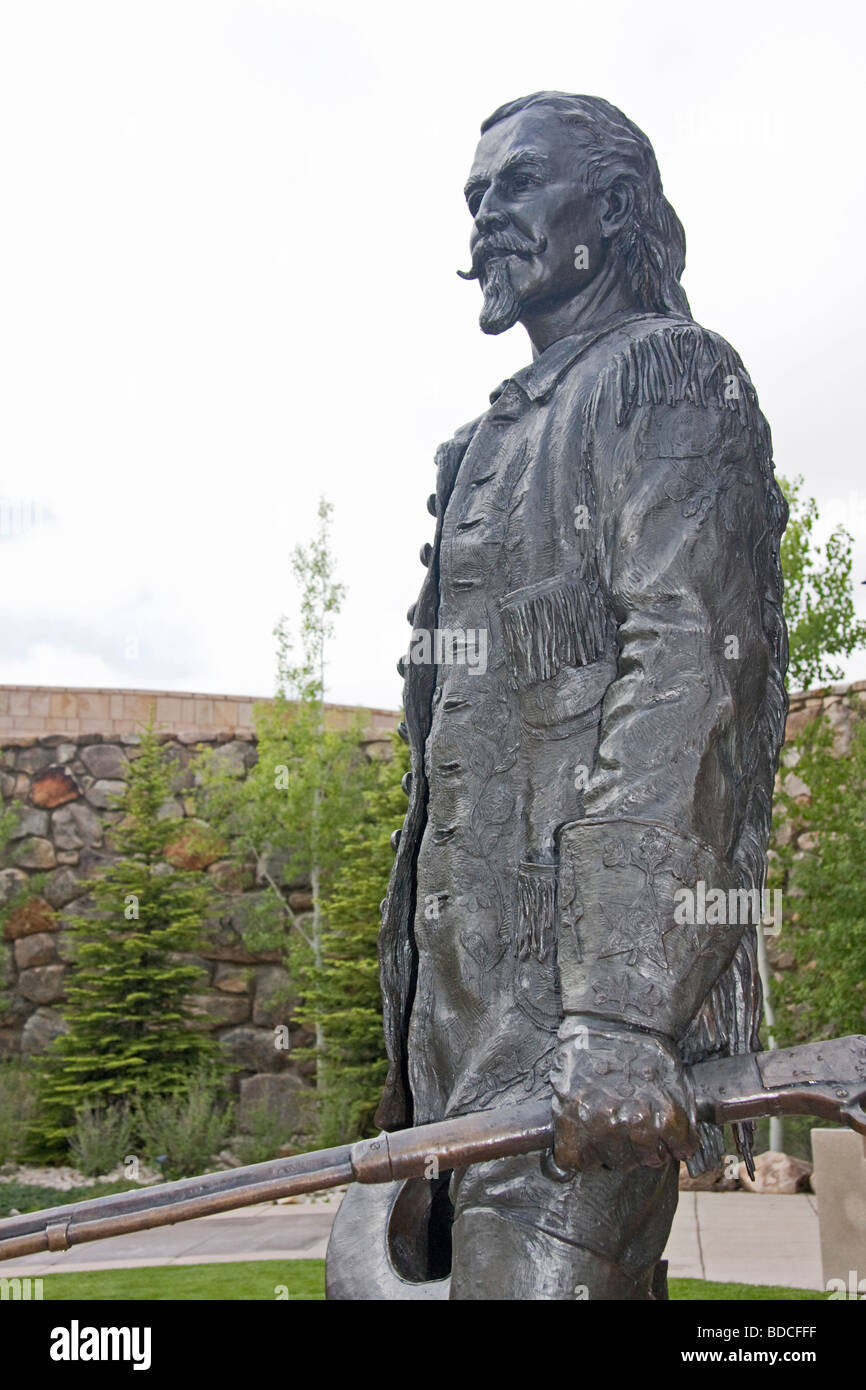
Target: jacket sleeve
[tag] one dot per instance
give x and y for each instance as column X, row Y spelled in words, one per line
column 664, row 870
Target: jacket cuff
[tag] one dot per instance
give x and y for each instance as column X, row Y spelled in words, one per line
column 645, row 923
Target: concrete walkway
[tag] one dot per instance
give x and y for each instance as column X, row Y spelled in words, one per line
column 742, row 1238
column 724, row 1237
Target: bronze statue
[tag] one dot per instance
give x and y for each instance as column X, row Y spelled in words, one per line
column 610, row 528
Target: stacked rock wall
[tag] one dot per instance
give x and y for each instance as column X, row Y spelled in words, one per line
column 62, row 788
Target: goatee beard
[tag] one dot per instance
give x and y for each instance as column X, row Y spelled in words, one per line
column 501, row 306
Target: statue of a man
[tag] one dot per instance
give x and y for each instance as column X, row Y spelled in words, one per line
column 589, row 807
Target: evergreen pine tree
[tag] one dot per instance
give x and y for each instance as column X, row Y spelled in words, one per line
column 129, row 1026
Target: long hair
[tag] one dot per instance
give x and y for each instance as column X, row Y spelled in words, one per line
column 651, row 246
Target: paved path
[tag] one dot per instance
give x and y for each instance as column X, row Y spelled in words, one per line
column 742, row 1238
column 733, row 1236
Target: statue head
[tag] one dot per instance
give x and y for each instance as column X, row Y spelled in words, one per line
column 565, row 191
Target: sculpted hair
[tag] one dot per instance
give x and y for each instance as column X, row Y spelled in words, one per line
column 651, row 247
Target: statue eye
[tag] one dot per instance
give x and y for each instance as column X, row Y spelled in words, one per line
column 520, row 183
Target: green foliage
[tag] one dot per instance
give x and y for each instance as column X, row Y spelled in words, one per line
column 101, row 1138
column 129, row 1022
column 824, row 923
column 818, row 602
column 265, row 1135
column 342, row 992
column 18, row 1108
column 181, row 1132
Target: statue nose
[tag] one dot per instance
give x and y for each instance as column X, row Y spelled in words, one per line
column 490, row 220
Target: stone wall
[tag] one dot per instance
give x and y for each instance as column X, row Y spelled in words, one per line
column 62, row 784
column 43, row 709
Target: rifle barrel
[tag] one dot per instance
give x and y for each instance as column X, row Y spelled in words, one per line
column 826, row 1079
column 59, row 1228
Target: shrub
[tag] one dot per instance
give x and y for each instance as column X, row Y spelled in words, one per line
column 265, row 1136
column 18, row 1108
column 102, row 1137
column 181, row 1132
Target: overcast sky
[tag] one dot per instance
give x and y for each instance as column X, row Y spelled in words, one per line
column 227, row 284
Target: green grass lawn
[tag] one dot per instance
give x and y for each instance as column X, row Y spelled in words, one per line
column 265, row 1280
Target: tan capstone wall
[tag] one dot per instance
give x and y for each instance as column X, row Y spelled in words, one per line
column 43, row 709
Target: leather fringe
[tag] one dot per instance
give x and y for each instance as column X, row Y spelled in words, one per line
column 683, row 363
column 552, row 625
column 536, row 898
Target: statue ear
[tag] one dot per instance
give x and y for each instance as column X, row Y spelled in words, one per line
column 617, row 207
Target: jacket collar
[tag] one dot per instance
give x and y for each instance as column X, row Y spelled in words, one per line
column 538, row 379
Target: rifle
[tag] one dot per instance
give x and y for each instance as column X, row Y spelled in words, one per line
column 825, row 1079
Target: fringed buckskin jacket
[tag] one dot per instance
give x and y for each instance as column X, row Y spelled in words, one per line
column 612, row 523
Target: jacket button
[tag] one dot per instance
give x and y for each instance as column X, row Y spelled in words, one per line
column 426, row 553
column 406, row 782
column 401, row 667
column 410, row 612
column 395, row 839
column 431, row 504
column 403, row 731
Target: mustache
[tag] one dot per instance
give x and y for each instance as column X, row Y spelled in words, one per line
column 506, row 243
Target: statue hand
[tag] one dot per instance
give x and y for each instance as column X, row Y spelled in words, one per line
column 621, row 1098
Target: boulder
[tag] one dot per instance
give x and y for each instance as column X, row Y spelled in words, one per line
column 232, row 979
column 54, row 787
column 37, row 949
column 17, row 1009
column 30, row 822
column 285, row 1096
column 230, row 877
column 195, row 847
column 777, row 1173
column 62, row 887
column 272, row 1003
column 40, row 1030
column 34, row 759
column 253, row 1049
column 11, row 880
column 299, row 901
column 75, row 826
column 224, row 942
column 105, row 760
column 33, row 917
column 714, row 1180
column 216, row 1010
column 103, row 793
column 235, row 756
column 43, row 984
column 36, row 853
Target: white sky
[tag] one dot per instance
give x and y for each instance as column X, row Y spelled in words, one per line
column 227, row 253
